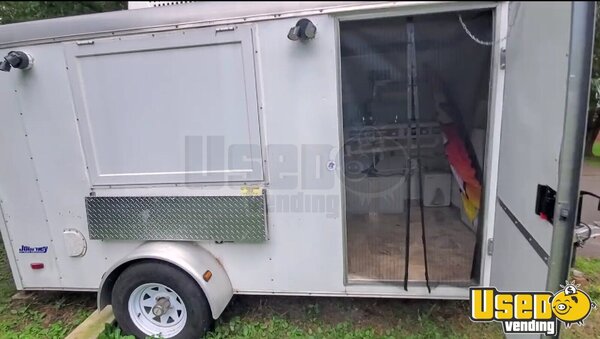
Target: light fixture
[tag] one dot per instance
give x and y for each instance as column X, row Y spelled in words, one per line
column 16, row 59
column 304, row 30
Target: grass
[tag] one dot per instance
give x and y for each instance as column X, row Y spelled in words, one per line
column 590, row 284
column 54, row 315
column 348, row 318
column 41, row 315
column 113, row 332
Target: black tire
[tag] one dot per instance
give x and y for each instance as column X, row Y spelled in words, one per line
column 199, row 319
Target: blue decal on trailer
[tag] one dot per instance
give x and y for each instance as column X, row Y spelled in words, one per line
column 29, row 249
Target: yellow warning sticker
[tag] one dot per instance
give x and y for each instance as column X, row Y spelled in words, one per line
column 251, row 190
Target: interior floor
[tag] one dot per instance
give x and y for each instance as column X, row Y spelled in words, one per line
column 376, row 247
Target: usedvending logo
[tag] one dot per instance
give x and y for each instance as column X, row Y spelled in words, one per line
column 531, row 312
column 29, row 249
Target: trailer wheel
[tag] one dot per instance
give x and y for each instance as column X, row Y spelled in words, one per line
column 155, row 298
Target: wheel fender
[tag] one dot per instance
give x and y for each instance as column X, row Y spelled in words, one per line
column 188, row 256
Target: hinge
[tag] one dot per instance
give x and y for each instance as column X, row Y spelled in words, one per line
column 84, row 42
column 490, row 246
column 225, row 29
column 503, row 58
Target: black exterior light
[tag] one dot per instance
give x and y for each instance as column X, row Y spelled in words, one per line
column 16, row 59
column 5, row 66
column 304, row 30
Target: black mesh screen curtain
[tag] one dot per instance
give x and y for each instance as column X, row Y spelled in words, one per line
column 374, row 93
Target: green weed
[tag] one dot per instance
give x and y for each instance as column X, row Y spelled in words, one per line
column 113, row 332
column 590, row 267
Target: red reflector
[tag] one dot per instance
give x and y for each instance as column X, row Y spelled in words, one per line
column 37, row 265
column 543, row 216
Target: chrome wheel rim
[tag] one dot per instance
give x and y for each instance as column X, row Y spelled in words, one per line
column 157, row 310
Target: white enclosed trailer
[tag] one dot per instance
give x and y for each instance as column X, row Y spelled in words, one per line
column 161, row 155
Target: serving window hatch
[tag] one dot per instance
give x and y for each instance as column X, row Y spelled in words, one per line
column 169, row 108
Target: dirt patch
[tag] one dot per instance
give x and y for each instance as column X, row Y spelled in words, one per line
column 47, row 308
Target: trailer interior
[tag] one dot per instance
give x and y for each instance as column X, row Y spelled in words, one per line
column 415, row 95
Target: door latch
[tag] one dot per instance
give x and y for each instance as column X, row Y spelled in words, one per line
column 503, row 58
column 544, row 202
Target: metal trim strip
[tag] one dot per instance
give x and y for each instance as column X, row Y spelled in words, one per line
column 534, row 244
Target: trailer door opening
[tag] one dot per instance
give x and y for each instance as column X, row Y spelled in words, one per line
column 415, row 96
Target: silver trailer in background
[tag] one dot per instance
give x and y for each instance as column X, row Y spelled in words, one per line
column 171, row 157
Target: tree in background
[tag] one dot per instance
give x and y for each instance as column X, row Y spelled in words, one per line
column 593, row 123
column 17, row 11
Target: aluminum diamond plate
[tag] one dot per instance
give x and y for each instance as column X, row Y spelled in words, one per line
column 227, row 218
